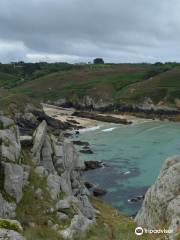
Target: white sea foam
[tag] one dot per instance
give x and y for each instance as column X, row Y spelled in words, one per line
column 108, row 129
column 126, row 173
column 89, row 129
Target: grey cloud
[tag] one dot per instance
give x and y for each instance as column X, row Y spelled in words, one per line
column 118, row 30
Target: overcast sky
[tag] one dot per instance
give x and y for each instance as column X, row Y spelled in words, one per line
column 80, row 30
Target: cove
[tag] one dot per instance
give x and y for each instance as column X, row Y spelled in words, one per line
column 134, row 155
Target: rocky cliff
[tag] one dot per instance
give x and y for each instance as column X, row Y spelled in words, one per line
column 161, row 206
column 41, row 183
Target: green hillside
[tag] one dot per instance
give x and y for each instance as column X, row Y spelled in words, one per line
column 118, row 83
column 163, row 87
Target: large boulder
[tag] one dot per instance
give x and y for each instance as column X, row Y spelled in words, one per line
column 58, row 154
column 13, row 180
column 66, row 183
column 38, row 141
column 46, row 155
column 83, row 206
column 5, row 122
column 162, row 201
column 10, row 147
column 53, row 182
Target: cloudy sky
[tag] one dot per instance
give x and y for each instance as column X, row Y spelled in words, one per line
column 80, row 30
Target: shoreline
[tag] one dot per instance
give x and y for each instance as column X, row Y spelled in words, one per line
column 66, row 115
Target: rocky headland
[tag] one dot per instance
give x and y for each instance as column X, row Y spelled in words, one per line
column 161, row 206
column 55, row 165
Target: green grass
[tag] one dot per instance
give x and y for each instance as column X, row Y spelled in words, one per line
column 41, row 233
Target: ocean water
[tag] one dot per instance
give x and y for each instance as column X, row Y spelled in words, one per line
column 134, row 155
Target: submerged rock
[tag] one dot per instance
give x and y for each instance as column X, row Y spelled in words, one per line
column 80, row 143
column 99, row 191
column 90, row 165
column 86, row 151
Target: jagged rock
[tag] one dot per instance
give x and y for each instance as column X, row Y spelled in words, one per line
column 161, row 203
column 82, row 205
column 28, row 116
column 57, row 154
column 5, row 122
column 10, row 146
column 62, row 216
column 88, row 184
column 13, row 180
column 46, row 155
column 38, row 141
column 26, row 141
column 103, row 118
column 71, row 158
column 41, row 171
column 79, row 225
column 71, row 162
column 54, row 182
column 10, row 235
column 63, row 204
column 65, row 183
column 7, row 209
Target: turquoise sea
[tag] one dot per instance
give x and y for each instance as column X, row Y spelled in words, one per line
column 134, row 155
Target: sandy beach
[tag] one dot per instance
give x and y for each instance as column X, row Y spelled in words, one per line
column 65, row 115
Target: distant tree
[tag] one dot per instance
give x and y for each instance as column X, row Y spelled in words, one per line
column 158, row 63
column 98, row 61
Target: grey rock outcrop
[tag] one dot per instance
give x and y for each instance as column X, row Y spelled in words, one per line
column 10, row 147
column 62, row 204
column 79, row 224
column 10, row 234
column 53, row 182
column 5, row 122
column 38, row 141
column 57, row 164
column 162, row 201
column 47, row 155
column 7, row 209
column 13, row 180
